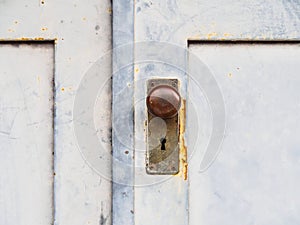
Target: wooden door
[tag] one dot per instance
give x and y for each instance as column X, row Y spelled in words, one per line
column 46, row 47
column 238, row 63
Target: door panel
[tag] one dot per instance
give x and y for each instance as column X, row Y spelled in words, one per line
column 26, row 133
column 81, row 34
column 254, row 178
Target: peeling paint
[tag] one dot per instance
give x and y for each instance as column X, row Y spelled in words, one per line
column 182, row 148
column 66, row 89
column 227, row 34
column 26, row 39
column 211, row 35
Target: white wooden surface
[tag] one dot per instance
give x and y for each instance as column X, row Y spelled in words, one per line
column 82, row 33
column 254, row 179
column 159, row 199
column 177, row 22
column 26, row 134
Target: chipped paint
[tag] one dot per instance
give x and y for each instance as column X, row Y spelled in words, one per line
column 66, row 89
column 195, row 37
column 26, row 39
column 29, row 39
column 211, row 35
column 227, row 34
column 182, row 148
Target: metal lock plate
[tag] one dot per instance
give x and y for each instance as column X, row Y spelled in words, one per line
column 162, row 137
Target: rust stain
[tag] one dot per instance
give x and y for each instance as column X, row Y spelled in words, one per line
column 230, row 75
column 195, row 37
column 11, row 30
column 39, row 39
column 29, row 39
column 84, row 19
column 227, row 35
column 137, row 70
column 211, row 35
column 44, row 28
column 109, row 10
column 182, row 148
column 66, row 89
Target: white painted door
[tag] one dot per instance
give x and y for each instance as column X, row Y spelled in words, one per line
column 26, row 110
column 240, row 63
column 253, row 179
column 46, row 48
column 237, row 64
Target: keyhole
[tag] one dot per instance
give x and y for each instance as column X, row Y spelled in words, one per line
column 163, row 143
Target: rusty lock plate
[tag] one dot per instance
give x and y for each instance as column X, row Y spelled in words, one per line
column 162, row 127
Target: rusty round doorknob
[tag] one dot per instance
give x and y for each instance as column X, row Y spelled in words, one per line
column 163, row 101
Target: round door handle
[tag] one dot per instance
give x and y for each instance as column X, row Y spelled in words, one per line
column 164, row 101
